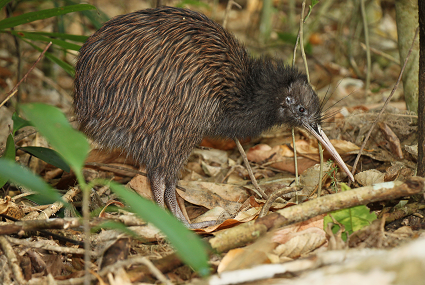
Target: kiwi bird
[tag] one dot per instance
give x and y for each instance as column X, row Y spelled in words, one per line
column 153, row 83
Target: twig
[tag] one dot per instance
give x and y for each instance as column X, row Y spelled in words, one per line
column 380, row 53
column 301, row 33
column 12, row 260
column 230, row 3
column 26, row 75
column 7, row 98
column 366, row 38
column 46, row 246
column 385, row 105
column 275, row 194
column 56, row 206
column 319, row 189
column 158, row 274
column 421, row 92
column 297, row 180
column 248, row 168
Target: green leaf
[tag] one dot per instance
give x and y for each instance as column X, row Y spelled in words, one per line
column 43, row 14
column 22, row 176
column 61, row 43
column 3, row 3
column 189, row 246
column 9, row 153
column 48, row 155
column 313, row 3
column 53, row 125
column 67, row 67
column 19, row 123
column 353, row 219
column 75, row 38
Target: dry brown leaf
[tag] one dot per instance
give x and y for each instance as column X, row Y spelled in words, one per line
column 229, row 258
column 210, row 170
column 392, row 138
column 248, row 215
column 195, row 167
column 208, row 199
column 284, row 234
column 212, row 155
column 9, row 208
column 412, row 149
column 251, row 255
column 302, row 243
column 392, row 172
column 282, row 154
column 215, row 214
column 229, row 192
column 343, row 146
column 141, row 185
column 369, row 177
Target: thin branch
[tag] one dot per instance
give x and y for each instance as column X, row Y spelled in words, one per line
column 366, row 38
column 230, row 3
column 248, row 168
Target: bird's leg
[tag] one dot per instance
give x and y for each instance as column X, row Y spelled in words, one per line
column 172, row 204
column 158, row 189
column 165, row 193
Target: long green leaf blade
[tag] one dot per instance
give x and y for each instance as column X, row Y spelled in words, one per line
column 53, row 125
column 43, row 14
column 75, row 38
column 61, row 43
column 189, row 247
column 3, row 3
column 47, row 155
column 9, row 153
column 12, row 171
column 19, row 123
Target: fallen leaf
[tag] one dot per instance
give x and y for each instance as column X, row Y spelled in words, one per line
column 302, row 243
column 369, row 177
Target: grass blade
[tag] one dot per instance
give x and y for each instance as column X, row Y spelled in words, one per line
column 43, row 14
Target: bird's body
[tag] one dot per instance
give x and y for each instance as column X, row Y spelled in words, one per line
column 153, row 83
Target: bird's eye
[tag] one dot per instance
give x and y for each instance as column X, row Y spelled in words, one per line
column 301, row 109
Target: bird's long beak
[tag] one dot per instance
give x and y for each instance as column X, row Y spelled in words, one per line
column 321, row 137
